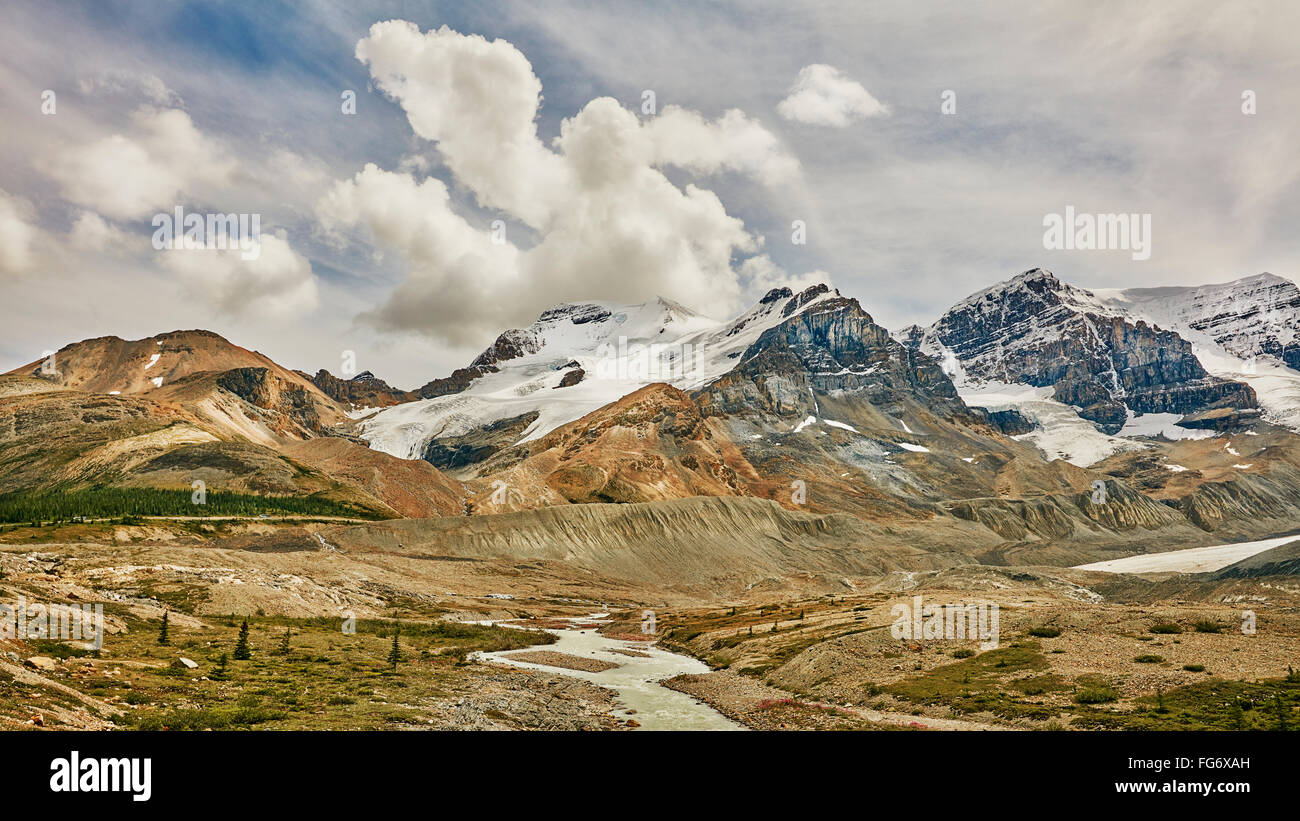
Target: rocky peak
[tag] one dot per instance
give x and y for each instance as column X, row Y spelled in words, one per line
column 910, row 337
column 578, row 314
column 513, row 344
column 804, row 297
column 835, row 347
column 1034, row 329
column 1249, row 317
column 363, row 390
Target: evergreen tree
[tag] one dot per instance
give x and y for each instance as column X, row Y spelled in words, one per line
column 1238, row 719
column 162, row 631
column 395, row 654
column 220, row 672
column 284, row 641
column 242, row 651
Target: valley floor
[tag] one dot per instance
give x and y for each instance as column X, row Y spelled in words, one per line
column 1076, row 649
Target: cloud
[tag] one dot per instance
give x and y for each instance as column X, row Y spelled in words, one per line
column 909, row 214
column 605, row 219
column 130, row 176
column 17, row 237
column 478, row 101
column 460, row 285
column 115, row 81
column 733, row 142
column 823, row 95
column 762, row 274
column 278, row 282
column 91, row 232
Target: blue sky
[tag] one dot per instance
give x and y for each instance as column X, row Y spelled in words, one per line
column 767, row 113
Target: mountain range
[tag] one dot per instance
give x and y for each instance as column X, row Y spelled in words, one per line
column 995, row 425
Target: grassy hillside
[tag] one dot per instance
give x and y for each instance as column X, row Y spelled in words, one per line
column 105, row 503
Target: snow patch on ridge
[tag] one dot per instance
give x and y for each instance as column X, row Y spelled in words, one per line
column 1059, row 432
column 621, row 349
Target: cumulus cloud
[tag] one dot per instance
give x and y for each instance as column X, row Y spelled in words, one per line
column 731, row 143
column 762, row 274
column 91, row 232
column 456, row 271
column 133, row 175
column 823, row 95
column 607, row 221
column 277, row 282
column 478, row 100
column 17, row 236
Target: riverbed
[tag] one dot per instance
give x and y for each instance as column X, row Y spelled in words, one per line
column 636, row 680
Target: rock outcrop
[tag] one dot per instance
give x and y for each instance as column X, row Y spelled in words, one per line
column 1037, row 330
column 836, row 348
column 365, row 390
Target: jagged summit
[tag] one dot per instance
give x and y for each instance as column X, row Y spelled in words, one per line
column 1036, row 330
column 1255, row 316
column 578, row 357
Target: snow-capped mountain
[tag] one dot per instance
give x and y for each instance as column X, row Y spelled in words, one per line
column 1037, row 331
column 1091, row 371
column 575, row 359
column 1257, row 316
column 1246, row 330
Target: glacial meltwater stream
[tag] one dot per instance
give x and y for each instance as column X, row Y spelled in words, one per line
column 635, row 679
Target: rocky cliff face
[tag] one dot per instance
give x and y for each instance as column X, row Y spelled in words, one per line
column 835, row 349
column 1037, row 330
column 365, row 390
column 1248, row 317
column 289, row 407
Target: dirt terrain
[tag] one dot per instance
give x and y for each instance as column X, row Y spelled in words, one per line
column 1076, row 649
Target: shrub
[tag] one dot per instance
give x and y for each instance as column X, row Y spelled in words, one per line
column 1045, row 632
column 1095, row 694
column 1149, row 659
column 1207, row 626
column 199, row 719
column 1165, row 627
column 1194, row 668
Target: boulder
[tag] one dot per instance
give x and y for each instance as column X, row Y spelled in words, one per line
column 43, row 663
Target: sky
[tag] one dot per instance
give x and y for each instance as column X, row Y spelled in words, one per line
column 426, row 175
